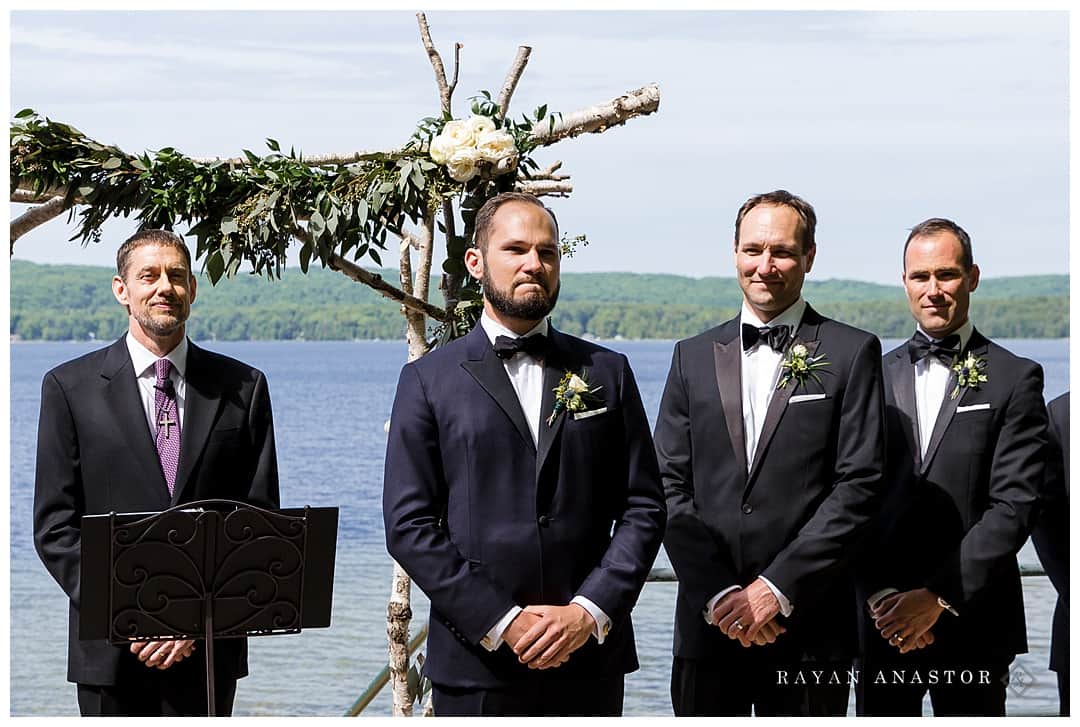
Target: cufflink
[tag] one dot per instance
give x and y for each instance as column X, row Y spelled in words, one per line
column 945, row 604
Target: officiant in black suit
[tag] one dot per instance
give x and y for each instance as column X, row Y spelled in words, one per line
column 149, row 422
column 1051, row 539
column 966, row 455
column 770, row 442
column 521, row 492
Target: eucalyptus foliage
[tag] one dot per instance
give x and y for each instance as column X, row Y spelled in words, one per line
column 251, row 211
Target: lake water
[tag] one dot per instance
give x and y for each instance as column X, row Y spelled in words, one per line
column 330, row 402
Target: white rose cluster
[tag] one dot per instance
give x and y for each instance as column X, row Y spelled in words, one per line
column 464, row 144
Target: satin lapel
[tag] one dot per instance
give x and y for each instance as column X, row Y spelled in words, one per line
column 775, row 412
column 122, row 397
column 201, row 405
column 727, row 359
column 558, row 362
column 902, row 378
column 488, row 370
column 976, row 345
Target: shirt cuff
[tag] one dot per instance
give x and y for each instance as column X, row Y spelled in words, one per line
column 603, row 622
column 785, row 605
column 714, row 600
column 878, row 595
column 494, row 638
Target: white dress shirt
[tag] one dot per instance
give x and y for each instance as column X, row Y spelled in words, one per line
column 145, row 376
column 931, row 380
column 760, row 372
column 526, row 374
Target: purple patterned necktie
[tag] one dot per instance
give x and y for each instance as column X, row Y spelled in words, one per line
column 167, row 419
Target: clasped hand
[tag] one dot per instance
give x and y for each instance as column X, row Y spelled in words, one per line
column 748, row 615
column 905, row 619
column 162, row 654
column 544, row 637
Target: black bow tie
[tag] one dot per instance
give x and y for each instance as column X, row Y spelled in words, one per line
column 535, row 345
column 945, row 350
column 775, row 336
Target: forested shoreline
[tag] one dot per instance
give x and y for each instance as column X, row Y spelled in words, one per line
column 73, row 302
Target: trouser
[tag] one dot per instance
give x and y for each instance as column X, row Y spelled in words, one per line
column 539, row 695
column 755, row 682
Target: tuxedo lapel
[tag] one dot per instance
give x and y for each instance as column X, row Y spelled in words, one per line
column 978, row 346
column 807, row 335
column 559, row 360
column 488, row 370
column 201, row 405
column 902, row 379
column 728, row 362
column 123, row 400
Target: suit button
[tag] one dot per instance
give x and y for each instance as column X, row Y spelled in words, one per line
column 544, row 521
column 746, row 508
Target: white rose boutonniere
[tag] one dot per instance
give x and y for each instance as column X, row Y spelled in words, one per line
column 572, row 394
column 969, row 374
column 799, row 366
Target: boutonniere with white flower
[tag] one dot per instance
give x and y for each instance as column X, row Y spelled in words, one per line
column 800, row 366
column 970, row 372
column 573, row 394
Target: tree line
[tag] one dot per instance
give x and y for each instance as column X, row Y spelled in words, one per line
column 67, row 302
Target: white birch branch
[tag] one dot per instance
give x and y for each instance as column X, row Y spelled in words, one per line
column 596, row 119
column 34, row 217
column 545, row 187
column 512, row 78
column 436, row 62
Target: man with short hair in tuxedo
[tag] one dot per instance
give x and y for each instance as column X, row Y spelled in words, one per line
column 150, row 422
column 770, row 439
column 521, row 492
column 941, row 602
column 1051, row 539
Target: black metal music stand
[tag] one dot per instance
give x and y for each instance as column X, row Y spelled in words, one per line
column 206, row 570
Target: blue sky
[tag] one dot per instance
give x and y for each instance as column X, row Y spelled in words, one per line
column 879, row 119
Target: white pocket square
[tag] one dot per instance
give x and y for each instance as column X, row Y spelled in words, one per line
column 805, row 397
column 587, row 414
column 972, row 407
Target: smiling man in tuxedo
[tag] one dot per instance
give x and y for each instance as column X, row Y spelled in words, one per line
column 770, row 439
column 149, row 422
column 966, row 453
column 521, row 492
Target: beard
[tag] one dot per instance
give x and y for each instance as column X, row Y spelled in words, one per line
column 532, row 308
column 159, row 324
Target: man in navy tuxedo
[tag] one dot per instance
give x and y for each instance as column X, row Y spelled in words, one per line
column 521, row 492
column 941, row 605
column 1051, row 539
column 771, row 442
column 149, row 422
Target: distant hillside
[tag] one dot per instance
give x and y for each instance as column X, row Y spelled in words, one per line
column 63, row 302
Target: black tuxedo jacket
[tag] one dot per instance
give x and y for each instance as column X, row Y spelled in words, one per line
column 1051, row 533
column 95, row 454
column 796, row 515
column 955, row 518
column 483, row 520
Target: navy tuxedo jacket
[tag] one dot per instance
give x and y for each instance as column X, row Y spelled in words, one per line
column 483, row 520
column 798, row 512
column 956, row 517
column 95, row 455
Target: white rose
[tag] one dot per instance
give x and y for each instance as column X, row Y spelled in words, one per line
column 458, row 134
column 461, row 166
column 480, row 125
column 798, row 350
column 577, row 384
column 441, row 148
column 495, row 146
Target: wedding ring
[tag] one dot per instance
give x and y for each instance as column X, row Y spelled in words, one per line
column 738, row 625
column 898, row 637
